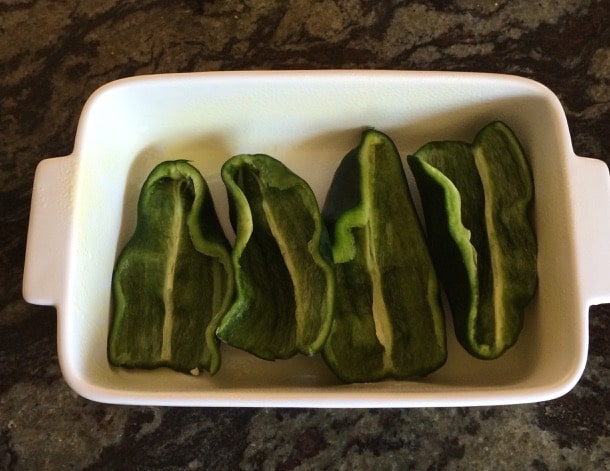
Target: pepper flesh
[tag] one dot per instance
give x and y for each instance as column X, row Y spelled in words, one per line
column 284, row 275
column 475, row 200
column 172, row 282
column 388, row 319
column 508, row 186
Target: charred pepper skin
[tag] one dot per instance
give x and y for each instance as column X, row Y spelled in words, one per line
column 172, row 282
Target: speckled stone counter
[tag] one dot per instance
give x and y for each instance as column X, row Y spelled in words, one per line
column 54, row 54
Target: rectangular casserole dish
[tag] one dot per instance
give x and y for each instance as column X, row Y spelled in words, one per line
column 84, row 207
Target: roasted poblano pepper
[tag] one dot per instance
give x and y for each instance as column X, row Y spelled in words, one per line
column 173, row 280
column 282, row 261
column 388, row 318
column 475, row 200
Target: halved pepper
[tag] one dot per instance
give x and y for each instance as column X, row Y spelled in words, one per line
column 282, row 261
column 388, row 319
column 475, row 200
column 172, row 282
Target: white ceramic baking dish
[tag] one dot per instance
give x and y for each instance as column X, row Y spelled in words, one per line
column 83, row 211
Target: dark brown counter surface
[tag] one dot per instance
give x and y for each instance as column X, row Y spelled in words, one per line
column 54, row 54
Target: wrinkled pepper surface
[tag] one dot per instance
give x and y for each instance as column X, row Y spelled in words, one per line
column 282, row 261
column 173, row 280
column 475, row 200
column 388, row 319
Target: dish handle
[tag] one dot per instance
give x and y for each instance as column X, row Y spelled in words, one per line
column 591, row 192
column 46, row 253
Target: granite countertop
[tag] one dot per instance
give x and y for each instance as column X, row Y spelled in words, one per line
column 53, row 55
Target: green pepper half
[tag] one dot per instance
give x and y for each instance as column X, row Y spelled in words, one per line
column 173, row 280
column 475, row 200
column 388, row 319
column 282, row 261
